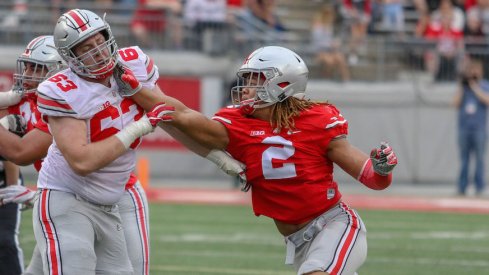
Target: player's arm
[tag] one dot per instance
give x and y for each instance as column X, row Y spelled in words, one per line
column 83, row 157
column 194, row 125
column 374, row 172
column 24, row 150
column 147, row 99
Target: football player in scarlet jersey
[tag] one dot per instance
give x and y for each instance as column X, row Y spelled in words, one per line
column 289, row 145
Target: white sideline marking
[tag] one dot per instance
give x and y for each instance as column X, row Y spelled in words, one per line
column 431, row 262
column 431, row 235
column 221, row 238
column 202, row 269
column 225, row 254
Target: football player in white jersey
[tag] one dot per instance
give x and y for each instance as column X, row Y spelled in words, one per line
column 39, row 61
column 84, row 112
column 77, row 224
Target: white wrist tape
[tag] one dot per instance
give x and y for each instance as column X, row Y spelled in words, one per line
column 134, row 130
column 225, row 162
column 9, row 98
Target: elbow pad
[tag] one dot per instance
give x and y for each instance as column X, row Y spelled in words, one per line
column 373, row 180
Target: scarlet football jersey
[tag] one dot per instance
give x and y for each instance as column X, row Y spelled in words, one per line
column 291, row 176
column 27, row 108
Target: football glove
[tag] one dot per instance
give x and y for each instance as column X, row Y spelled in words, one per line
column 145, row 125
column 230, row 166
column 383, row 159
column 127, row 82
column 14, row 123
column 16, row 194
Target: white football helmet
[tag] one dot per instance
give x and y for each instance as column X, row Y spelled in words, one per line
column 74, row 27
column 42, row 53
column 277, row 74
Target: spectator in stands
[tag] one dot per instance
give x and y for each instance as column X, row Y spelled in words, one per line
column 475, row 39
column 152, row 18
column 424, row 9
column 207, row 20
column 472, row 99
column 357, row 14
column 326, row 46
column 393, row 15
column 447, row 34
column 481, row 11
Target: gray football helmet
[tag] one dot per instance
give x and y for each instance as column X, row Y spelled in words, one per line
column 42, row 53
column 275, row 72
column 74, row 27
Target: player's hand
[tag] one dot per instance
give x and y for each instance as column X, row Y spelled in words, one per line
column 14, row 123
column 16, row 194
column 127, row 82
column 230, row 166
column 383, row 159
column 160, row 112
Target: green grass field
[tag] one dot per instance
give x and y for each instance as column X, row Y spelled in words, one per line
column 209, row 239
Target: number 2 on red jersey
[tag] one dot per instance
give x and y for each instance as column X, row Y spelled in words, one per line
column 282, row 153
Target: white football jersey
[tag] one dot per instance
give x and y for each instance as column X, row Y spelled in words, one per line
column 105, row 113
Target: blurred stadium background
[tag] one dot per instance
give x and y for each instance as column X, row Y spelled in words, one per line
column 393, row 94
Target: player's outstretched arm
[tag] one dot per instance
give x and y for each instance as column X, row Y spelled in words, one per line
column 130, row 86
column 24, row 150
column 83, row 157
column 374, row 172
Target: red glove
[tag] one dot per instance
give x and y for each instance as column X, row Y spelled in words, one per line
column 160, row 112
column 126, row 80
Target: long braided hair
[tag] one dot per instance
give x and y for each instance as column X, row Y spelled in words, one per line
column 283, row 113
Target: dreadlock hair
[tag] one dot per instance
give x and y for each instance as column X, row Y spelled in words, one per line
column 283, row 113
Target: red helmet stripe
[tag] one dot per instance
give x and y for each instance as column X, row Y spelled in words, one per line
column 33, row 42
column 82, row 24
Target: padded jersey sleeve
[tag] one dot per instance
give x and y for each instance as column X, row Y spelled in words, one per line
column 333, row 123
column 50, row 101
column 141, row 65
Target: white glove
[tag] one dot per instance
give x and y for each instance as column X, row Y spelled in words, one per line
column 14, row 123
column 16, row 194
column 9, row 98
column 230, row 166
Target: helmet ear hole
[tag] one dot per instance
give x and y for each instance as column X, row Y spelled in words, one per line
column 283, row 84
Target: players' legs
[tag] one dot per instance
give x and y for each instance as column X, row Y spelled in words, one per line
column 35, row 265
column 78, row 237
column 133, row 208
column 339, row 248
column 64, row 234
column 11, row 256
